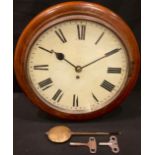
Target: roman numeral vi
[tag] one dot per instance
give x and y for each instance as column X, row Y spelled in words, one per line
column 75, row 101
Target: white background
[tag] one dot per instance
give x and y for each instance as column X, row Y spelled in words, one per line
column 148, row 77
column 6, row 77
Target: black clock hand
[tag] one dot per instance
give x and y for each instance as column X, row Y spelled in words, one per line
column 105, row 55
column 59, row 56
column 46, row 50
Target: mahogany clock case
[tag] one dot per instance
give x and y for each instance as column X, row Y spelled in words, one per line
column 85, row 11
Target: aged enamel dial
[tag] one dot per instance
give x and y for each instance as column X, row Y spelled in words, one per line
column 77, row 66
column 73, row 66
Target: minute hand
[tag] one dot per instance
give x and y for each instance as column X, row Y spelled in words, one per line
column 105, row 55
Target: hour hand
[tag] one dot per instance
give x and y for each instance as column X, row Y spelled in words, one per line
column 49, row 51
column 59, row 56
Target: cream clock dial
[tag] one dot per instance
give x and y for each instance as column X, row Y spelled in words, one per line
column 77, row 66
column 77, row 60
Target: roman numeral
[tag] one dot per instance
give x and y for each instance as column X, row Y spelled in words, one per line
column 107, row 85
column 100, row 37
column 95, row 98
column 40, row 67
column 114, row 70
column 81, row 31
column 45, row 83
column 61, row 36
column 75, row 101
column 58, row 95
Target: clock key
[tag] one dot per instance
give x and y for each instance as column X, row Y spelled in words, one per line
column 113, row 144
column 91, row 144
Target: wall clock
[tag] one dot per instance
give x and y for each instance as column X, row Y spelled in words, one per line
column 77, row 60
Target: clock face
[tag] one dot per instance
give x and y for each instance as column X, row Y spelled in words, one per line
column 77, row 66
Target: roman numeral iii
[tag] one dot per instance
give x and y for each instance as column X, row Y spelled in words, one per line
column 75, row 101
column 114, row 70
column 81, row 29
column 45, row 83
column 107, row 85
column 60, row 35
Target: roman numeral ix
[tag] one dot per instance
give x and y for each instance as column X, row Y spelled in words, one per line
column 81, row 29
column 40, row 67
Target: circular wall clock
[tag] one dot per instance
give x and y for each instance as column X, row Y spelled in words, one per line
column 77, row 60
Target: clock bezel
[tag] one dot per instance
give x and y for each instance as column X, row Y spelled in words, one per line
column 83, row 10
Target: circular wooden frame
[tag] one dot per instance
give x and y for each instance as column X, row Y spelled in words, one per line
column 76, row 10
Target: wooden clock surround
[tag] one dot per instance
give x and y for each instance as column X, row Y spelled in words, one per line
column 68, row 11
